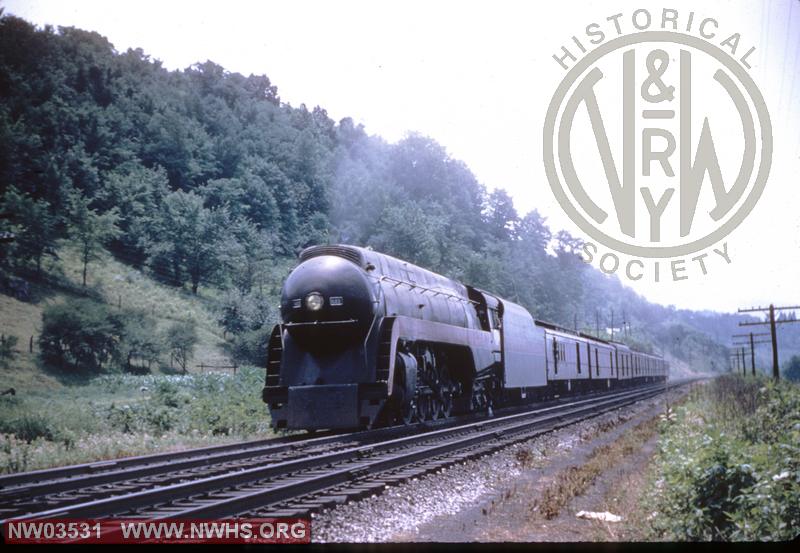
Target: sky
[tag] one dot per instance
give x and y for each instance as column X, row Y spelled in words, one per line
column 478, row 78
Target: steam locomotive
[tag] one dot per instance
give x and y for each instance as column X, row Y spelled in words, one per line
column 367, row 339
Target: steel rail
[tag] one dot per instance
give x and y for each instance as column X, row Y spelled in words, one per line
column 75, row 478
column 494, row 438
column 162, row 495
column 79, row 477
column 57, row 473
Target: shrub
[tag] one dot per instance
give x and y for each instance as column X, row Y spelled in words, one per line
column 7, row 351
column 791, row 370
column 80, row 334
column 728, row 466
column 124, row 414
column 251, row 346
column 140, row 342
column 29, row 427
column 181, row 338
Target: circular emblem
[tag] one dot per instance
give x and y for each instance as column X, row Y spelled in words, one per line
column 657, row 144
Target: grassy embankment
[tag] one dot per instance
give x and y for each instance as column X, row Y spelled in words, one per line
column 57, row 419
column 728, row 465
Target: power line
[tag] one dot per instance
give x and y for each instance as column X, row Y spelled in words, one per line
column 772, row 330
column 747, row 335
column 735, row 356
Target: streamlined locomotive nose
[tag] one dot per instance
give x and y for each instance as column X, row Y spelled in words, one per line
column 327, row 303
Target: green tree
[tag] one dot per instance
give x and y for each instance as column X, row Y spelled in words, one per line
column 139, row 340
column 137, row 193
column 240, row 312
column 413, row 233
column 75, row 114
column 245, row 251
column 187, row 239
column 501, row 216
column 90, row 230
column 181, row 338
column 80, row 334
column 33, row 225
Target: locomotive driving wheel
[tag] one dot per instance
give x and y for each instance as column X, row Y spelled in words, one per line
column 478, row 400
column 443, row 404
column 409, row 413
column 423, row 407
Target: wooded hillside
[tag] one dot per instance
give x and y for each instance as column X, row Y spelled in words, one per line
column 205, row 179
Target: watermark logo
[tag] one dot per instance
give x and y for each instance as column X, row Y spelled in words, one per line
column 657, row 143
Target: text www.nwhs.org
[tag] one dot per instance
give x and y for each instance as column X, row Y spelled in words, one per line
column 119, row 531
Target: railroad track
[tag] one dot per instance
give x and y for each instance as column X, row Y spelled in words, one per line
column 55, row 487
column 290, row 476
column 60, row 486
column 23, row 492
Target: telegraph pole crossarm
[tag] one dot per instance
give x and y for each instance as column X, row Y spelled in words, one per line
column 772, row 329
column 778, row 322
column 754, row 309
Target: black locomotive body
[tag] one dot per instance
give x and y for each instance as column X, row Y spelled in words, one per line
column 369, row 339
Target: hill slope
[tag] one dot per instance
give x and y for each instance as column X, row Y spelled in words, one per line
column 113, row 283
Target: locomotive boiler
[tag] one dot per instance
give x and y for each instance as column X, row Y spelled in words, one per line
column 366, row 339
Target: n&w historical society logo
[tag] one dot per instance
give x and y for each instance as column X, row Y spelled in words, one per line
column 657, row 143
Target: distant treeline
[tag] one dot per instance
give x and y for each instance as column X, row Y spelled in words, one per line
column 205, row 178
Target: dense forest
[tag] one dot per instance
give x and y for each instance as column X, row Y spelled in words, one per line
column 207, row 180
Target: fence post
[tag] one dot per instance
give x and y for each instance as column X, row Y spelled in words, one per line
column 30, row 345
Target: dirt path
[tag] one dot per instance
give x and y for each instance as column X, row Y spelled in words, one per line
column 541, row 504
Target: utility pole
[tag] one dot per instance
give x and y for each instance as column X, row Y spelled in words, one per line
column 751, row 336
column 738, row 355
column 775, row 371
column 734, row 358
column 625, row 323
column 744, row 367
column 597, row 321
column 753, row 342
column 772, row 329
column 612, row 324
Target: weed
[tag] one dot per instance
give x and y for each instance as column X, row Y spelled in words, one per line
column 123, row 414
column 525, row 457
column 728, row 466
column 575, row 480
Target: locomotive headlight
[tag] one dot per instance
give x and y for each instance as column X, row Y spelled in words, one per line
column 314, row 301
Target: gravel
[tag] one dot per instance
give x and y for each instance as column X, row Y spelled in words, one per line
column 399, row 512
